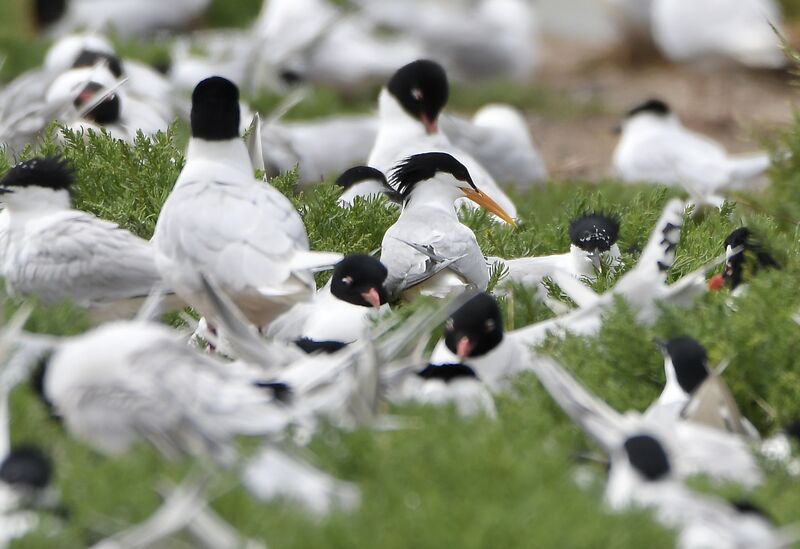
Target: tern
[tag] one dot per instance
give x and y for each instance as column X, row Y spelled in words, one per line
column 408, row 109
column 428, row 249
column 655, row 147
column 365, row 182
column 58, row 253
column 593, row 238
column 744, row 255
column 710, row 32
column 220, row 220
column 341, row 312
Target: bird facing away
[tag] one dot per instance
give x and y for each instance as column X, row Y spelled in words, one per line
column 428, row 247
column 221, row 221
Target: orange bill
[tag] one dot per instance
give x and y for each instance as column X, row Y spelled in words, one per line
column 485, row 201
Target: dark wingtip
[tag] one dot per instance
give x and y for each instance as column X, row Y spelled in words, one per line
column 52, row 172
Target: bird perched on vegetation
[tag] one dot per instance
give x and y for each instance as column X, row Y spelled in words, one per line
column 58, row 253
column 593, row 244
column 655, row 147
column 744, row 256
column 428, row 249
column 408, row 110
column 221, row 221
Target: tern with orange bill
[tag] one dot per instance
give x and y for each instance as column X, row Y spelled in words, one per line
column 428, row 250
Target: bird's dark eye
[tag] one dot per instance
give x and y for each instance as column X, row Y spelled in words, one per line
column 449, row 325
column 490, row 325
column 416, row 93
column 348, row 280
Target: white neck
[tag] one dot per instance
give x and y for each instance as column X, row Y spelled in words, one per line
column 35, row 200
column 672, row 393
column 434, row 193
column 644, row 122
column 231, row 152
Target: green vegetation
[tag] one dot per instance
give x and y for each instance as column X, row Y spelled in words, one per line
column 448, row 482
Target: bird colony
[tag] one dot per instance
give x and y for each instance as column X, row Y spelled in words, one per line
column 391, row 327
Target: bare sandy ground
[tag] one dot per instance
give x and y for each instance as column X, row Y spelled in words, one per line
column 734, row 106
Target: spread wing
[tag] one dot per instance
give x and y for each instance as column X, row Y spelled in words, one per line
column 84, row 259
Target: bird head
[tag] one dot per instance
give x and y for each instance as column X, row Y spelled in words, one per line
column 475, row 328
column 358, row 279
column 421, row 89
column 687, row 359
column 593, row 234
column 449, row 177
column 38, row 182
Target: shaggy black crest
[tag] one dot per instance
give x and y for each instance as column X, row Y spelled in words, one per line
column 215, row 109
column 47, row 12
column 594, row 231
column 422, row 167
column 647, row 456
column 52, row 172
column 653, row 106
column 734, row 266
column 689, row 361
column 357, row 274
column 478, row 320
column 105, row 112
column 312, row 346
column 90, row 58
column 26, row 466
column 447, row 372
column 421, row 88
column 358, row 174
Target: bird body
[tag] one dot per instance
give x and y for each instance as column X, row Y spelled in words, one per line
column 717, row 31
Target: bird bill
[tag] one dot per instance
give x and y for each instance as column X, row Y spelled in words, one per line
column 485, row 201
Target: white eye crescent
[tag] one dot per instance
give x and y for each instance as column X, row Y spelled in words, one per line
column 490, row 325
column 348, row 280
column 449, row 324
column 416, row 93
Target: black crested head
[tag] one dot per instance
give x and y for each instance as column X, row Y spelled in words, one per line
column 422, row 90
column 647, row 456
column 105, row 112
column 689, row 361
column 735, row 264
column 422, row 167
column 358, row 279
column 477, row 324
column 652, row 106
column 52, row 172
column 594, row 231
column 313, row 346
column 89, row 58
column 359, row 174
column 26, row 467
column 447, row 372
column 215, row 110
column 47, row 12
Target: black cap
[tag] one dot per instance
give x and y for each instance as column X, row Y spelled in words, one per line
column 425, row 166
column 689, row 361
column 52, row 172
column 594, row 231
column 480, row 321
column 357, row 274
column 47, row 12
column 421, row 88
column 651, row 106
column 647, row 456
column 358, row 174
column 215, row 110
column 105, row 112
column 26, row 466
column 89, row 58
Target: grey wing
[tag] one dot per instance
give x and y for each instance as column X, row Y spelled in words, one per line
column 84, row 259
column 250, row 242
column 507, row 159
column 601, row 422
column 659, row 253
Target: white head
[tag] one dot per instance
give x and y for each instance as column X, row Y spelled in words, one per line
column 651, row 113
column 37, row 184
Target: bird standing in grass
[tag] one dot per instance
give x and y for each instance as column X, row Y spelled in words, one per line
column 428, row 250
column 220, row 220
